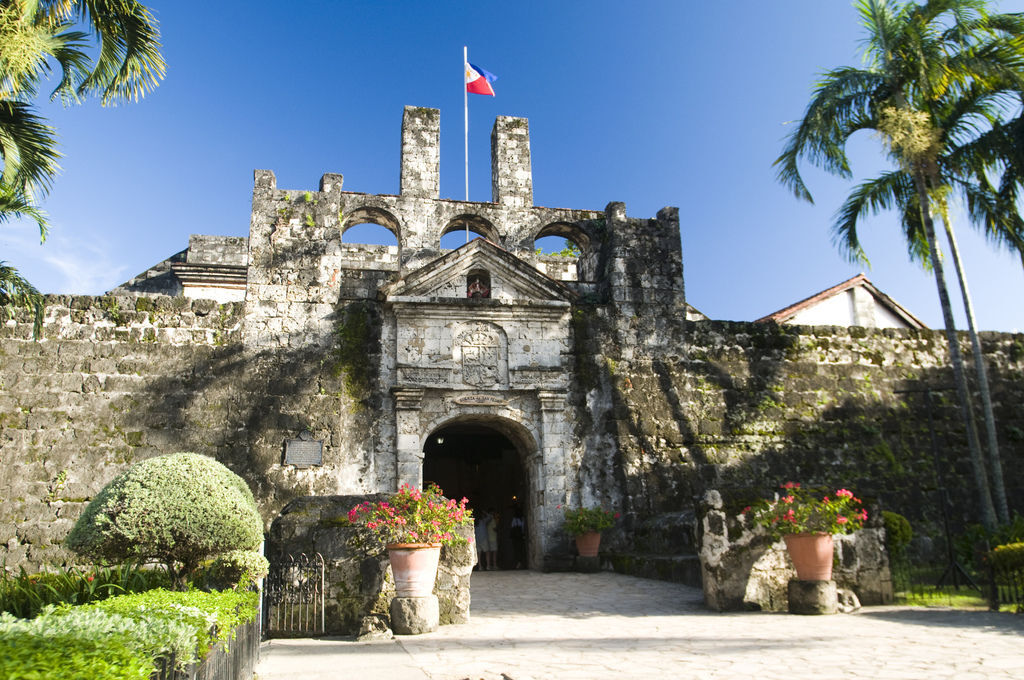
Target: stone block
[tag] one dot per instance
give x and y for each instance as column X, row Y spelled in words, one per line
column 415, row 615
column 813, row 597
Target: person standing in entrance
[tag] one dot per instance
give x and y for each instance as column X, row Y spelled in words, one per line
column 517, row 532
column 492, row 538
column 486, row 540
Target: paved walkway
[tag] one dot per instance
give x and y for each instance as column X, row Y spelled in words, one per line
column 532, row 626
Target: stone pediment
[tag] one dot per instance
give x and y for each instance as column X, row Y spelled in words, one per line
column 508, row 278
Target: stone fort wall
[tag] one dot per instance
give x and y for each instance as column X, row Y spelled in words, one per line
column 647, row 411
column 738, row 407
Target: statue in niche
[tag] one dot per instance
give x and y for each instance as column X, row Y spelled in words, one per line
column 478, row 284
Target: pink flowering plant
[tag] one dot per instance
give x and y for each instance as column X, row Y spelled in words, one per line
column 798, row 510
column 583, row 520
column 415, row 516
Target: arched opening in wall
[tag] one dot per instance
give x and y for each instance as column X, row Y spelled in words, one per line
column 369, row 233
column 563, row 252
column 454, row 234
column 484, row 460
column 370, row 226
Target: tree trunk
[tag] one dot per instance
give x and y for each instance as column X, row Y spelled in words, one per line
column 994, row 459
column 988, row 515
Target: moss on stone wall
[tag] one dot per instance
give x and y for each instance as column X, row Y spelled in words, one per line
column 357, row 341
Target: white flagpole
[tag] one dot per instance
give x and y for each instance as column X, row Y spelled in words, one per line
column 465, row 107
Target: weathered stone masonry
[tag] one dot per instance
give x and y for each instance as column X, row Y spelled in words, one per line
column 607, row 393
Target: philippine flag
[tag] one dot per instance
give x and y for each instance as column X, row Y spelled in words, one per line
column 478, row 81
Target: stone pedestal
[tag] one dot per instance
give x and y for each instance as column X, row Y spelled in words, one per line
column 588, row 565
column 415, row 615
column 812, row 597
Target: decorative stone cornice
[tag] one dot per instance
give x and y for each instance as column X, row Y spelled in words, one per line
column 408, row 398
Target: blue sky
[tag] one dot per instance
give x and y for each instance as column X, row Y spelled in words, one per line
column 651, row 103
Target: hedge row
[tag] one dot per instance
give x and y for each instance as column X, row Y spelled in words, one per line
column 1008, row 557
column 121, row 638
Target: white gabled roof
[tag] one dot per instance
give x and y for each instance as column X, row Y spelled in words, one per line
column 900, row 315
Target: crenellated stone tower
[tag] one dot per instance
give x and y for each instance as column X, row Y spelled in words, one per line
column 474, row 342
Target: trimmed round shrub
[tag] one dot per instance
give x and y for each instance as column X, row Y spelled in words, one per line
column 178, row 509
column 897, row 532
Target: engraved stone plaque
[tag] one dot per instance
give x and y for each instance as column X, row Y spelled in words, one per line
column 480, row 359
column 480, row 400
column 304, row 452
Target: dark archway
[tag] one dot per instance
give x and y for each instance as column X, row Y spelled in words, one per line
column 478, row 461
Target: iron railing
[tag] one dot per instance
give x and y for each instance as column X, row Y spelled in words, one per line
column 293, row 597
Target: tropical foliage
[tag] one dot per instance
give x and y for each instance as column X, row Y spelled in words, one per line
column 940, row 87
column 24, row 595
column 109, row 49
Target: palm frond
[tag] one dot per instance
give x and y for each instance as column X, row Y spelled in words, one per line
column 14, row 203
column 843, row 95
column 28, row 148
column 890, row 190
column 129, row 63
column 17, row 293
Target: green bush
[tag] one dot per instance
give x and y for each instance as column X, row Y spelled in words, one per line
column 232, row 570
column 211, row 617
column 579, row 521
column 28, row 656
column 897, row 532
column 1009, row 557
column 79, row 644
column 24, row 594
column 976, row 541
column 124, row 637
column 179, row 509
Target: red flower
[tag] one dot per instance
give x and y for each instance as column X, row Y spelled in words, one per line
column 841, row 520
column 617, row 515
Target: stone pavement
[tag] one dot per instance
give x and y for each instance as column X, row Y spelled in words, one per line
column 533, row 626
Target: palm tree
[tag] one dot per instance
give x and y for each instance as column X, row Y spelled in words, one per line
column 37, row 38
column 944, row 63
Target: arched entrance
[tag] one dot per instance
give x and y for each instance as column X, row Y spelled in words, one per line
column 485, row 462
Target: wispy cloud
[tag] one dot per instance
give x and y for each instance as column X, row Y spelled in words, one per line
column 81, row 264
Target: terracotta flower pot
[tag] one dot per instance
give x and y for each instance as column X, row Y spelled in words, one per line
column 811, row 555
column 414, row 566
column 588, row 543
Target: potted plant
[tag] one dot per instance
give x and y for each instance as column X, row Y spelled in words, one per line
column 586, row 524
column 414, row 524
column 807, row 519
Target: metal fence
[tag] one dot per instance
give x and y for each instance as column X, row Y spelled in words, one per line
column 293, row 597
column 235, row 660
column 998, row 589
column 1007, row 589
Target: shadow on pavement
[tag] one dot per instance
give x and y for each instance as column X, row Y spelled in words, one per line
column 952, row 618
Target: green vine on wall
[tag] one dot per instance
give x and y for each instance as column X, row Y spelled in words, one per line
column 355, row 341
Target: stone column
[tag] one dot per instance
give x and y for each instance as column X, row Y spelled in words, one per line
column 421, row 152
column 511, row 174
column 551, row 475
column 408, row 452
